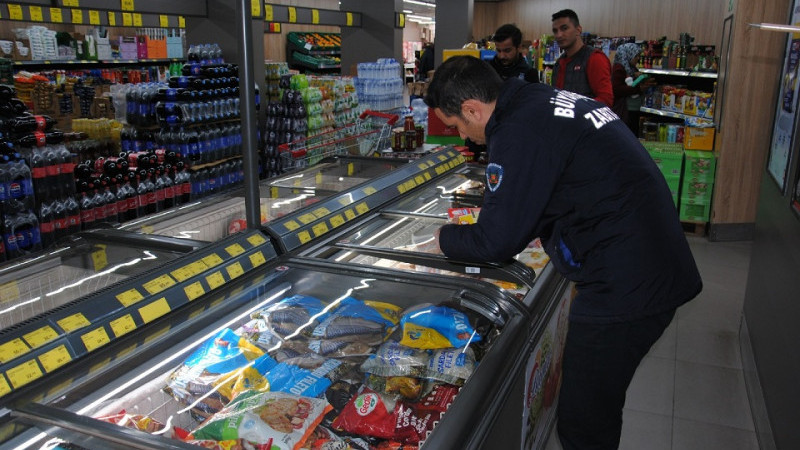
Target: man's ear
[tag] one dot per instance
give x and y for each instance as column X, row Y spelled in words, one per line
column 472, row 110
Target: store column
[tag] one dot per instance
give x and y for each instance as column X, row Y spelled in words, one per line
column 453, row 26
column 378, row 37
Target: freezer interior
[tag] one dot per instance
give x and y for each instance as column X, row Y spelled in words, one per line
column 73, row 270
column 309, row 356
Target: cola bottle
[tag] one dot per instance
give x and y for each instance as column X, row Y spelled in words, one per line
column 29, row 123
column 133, row 201
column 158, row 188
column 142, row 197
column 169, row 190
column 73, row 215
column 110, row 203
column 46, row 227
column 67, row 182
column 39, row 174
column 132, row 106
column 40, row 138
column 99, row 203
column 9, row 236
column 60, row 219
column 87, row 211
column 26, row 230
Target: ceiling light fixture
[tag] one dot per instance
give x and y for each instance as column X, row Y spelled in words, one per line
column 776, row 27
column 415, row 2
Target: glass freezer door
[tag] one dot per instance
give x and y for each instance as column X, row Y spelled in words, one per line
column 293, row 359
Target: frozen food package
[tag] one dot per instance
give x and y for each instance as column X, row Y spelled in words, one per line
column 253, row 376
column 287, row 377
column 258, row 417
column 409, row 388
column 292, row 316
column 205, row 368
column 395, row 360
column 451, row 365
column 134, row 421
column 352, row 317
column 432, row 327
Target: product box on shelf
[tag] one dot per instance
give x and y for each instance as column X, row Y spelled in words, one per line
column 174, row 47
column 156, row 48
column 690, row 211
column 127, row 47
column 695, row 138
column 674, row 185
column 449, row 53
column 667, row 156
column 697, row 191
column 700, row 165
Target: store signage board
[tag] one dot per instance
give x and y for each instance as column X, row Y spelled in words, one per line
column 783, row 132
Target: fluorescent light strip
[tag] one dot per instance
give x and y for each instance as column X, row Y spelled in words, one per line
column 411, row 17
column 415, row 2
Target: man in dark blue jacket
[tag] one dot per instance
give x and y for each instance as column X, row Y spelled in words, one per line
column 564, row 168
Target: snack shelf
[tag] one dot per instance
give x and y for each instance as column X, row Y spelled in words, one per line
column 681, row 73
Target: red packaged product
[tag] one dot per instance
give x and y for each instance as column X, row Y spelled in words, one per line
column 368, row 414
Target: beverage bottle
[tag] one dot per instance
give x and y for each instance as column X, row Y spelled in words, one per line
column 52, row 172
column 158, row 187
column 73, row 215
column 99, row 203
column 60, row 219
column 133, row 201
column 9, row 236
column 27, row 232
column 131, row 106
column 29, row 123
column 120, row 197
column 185, row 187
column 67, row 183
column 169, row 190
column 111, row 209
column 46, row 227
column 87, row 211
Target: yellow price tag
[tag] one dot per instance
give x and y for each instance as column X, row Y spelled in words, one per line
column 127, row 19
column 315, row 16
column 73, row 322
column 215, row 280
column 255, row 8
column 39, row 337
column 234, row 249
column 337, row 221
column 24, row 373
column 188, row 271
column 129, row 297
column 351, row 168
column 126, row 5
column 292, row 14
column 15, row 12
column 56, row 16
column 163, row 20
column 36, row 13
column 123, row 325
column 257, row 259
column 181, row 22
column 369, row 190
column 349, row 214
column 235, row 270
column 194, row 290
column 428, row 176
column 4, row 387
column 273, row 192
column 319, row 229
column 402, row 20
column 99, row 257
column 303, row 236
column 307, row 218
column 13, row 349
column 256, row 240
column 291, row 225
column 95, row 339
column 318, row 179
column 422, row 166
column 137, row 19
column 268, row 13
column 72, row 3
column 55, row 358
column 154, row 310
column 212, row 260
column 362, row 208
column 349, row 19
column 344, row 201
column 94, row 17
column 157, row 285
column 77, row 16
column 419, row 179
column 112, row 19
column 320, row 212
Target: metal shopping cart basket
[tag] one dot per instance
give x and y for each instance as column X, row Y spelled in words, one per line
column 371, row 132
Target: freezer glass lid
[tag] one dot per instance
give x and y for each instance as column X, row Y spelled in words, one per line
column 37, row 285
column 308, row 357
column 336, row 176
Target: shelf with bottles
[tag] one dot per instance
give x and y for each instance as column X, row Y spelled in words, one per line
column 44, row 64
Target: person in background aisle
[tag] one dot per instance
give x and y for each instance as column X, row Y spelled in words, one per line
column 509, row 62
column 628, row 98
column 564, row 168
column 580, row 69
column 426, row 60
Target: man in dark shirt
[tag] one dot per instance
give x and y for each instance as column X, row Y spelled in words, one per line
column 564, row 168
column 509, row 62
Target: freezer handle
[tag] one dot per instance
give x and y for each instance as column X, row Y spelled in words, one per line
column 152, row 241
column 78, row 425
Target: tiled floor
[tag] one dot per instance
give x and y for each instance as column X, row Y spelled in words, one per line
column 689, row 391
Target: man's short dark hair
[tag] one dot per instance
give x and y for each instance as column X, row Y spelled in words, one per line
column 568, row 13
column 506, row 31
column 462, row 78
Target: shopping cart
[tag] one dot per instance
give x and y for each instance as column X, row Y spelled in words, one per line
column 371, row 132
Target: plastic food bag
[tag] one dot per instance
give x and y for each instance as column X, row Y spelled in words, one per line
column 395, row 360
column 353, row 317
column 451, row 365
column 431, row 327
column 290, row 317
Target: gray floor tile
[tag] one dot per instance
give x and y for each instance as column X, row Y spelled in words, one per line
column 653, row 386
column 642, row 430
column 711, row 394
column 716, row 307
column 691, row 435
column 702, row 343
column 666, row 344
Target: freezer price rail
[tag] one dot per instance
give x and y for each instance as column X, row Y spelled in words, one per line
column 33, row 349
column 315, row 221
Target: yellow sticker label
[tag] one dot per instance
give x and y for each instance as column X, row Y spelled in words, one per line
column 72, row 3
column 303, row 236
column 189, row 270
column 36, row 13
column 256, row 240
column 194, row 290
column 129, row 297
column 292, row 14
column 94, row 17
column 307, row 218
column 212, row 260
column 137, row 19
column 291, row 225
column 369, row 190
column 349, row 19
column 234, row 250
column 362, row 208
column 320, row 229
column 428, row 176
column 123, row 325
column 12, row 349
column 39, row 337
column 346, row 200
column 154, row 310
column 55, row 358
column 268, row 13
column 73, row 322
column 112, row 19
column 127, row 19
column 56, row 16
column 350, row 169
column 157, row 285
column 350, row 214
column 126, row 5
column 181, row 22
column 318, row 178
column 77, row 16
column 337, row 221
column 419, row 179
column 315, row 16
column 163, row 20
column 255, row 7
column 402, row 20
column 215, row 280
column 15, row 12
column 321, row 212
column 99, row 257
column 4, row 387
column 235, row 270
column 423, row 165
column 95, row 339
column 257, row 259
column 273, row 192
column 24, row 373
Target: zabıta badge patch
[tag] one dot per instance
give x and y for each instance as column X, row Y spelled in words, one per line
column 494, row 176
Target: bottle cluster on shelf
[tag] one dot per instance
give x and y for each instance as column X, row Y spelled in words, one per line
column 380, row 84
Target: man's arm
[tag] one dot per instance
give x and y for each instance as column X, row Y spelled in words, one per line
column 599, row 75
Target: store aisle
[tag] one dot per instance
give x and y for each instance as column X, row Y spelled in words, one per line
column 689, row 391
